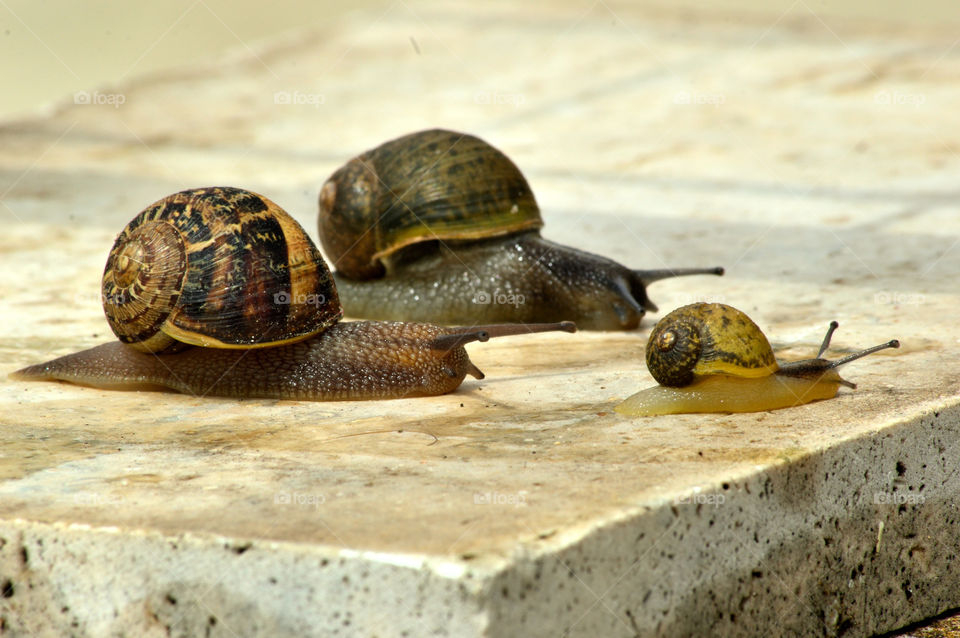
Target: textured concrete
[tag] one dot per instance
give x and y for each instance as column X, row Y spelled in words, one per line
column 815, row 159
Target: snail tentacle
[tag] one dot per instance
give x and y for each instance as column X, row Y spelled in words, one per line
column 650, row 276
column 826, row 339
column 893, row 343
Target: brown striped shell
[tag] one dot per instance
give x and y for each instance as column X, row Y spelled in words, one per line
column 429, row 185
column 216, row 267
column 706, row 339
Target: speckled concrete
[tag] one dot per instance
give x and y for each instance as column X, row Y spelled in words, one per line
column 814, row 158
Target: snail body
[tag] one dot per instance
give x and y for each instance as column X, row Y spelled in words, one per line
column 349, row 361
column 713, row 358
column 252, row 313
column 441, row 226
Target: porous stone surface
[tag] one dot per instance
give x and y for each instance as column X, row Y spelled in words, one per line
column 814, row 156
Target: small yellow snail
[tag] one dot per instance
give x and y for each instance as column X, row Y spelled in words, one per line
column 713, row 358
column 218, row 291
column 441, row 226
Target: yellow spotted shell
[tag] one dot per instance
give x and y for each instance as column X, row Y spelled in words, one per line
column 705, row 339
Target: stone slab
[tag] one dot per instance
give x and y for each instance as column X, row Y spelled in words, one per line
column 815, row 159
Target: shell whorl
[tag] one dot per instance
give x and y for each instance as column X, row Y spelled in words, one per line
column 429, row 185
column 219, row 267
column 702, row 339
column 142, row 283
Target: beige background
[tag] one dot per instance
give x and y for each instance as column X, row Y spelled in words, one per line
column 53, row 48
column 809, row 147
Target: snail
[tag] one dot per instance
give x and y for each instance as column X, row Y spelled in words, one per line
column 218, row 291
column 710, row 357
column 441, row 226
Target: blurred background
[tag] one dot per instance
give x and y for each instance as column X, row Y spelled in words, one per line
column 809, row 146
column 50, row 49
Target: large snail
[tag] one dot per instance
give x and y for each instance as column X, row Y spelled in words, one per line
column 713, row 358
column 440, row 226
column 230, row 273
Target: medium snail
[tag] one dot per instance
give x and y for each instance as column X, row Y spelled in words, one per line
column 440, row 226
column 713, row 358
column 218, row 291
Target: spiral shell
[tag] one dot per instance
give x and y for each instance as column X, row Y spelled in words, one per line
column 429, row 185
column 704, row 339
column 216, row 267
